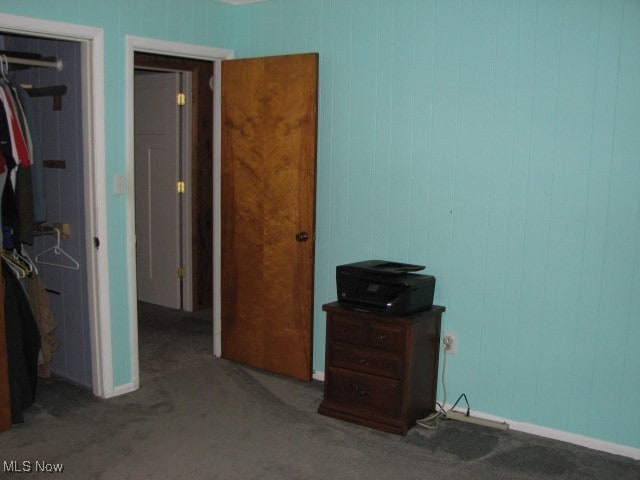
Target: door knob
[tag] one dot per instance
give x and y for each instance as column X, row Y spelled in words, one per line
column 302, row 237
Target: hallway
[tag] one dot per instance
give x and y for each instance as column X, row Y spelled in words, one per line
column 170, row 339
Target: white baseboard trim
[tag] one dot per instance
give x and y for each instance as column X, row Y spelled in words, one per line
column 547, row 432
column 561, row 435
column 122, row 389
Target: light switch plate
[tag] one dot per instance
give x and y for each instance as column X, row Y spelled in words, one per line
column 119, row 184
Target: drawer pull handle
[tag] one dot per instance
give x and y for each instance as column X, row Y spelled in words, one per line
column 383, row 337
column 363, row 361
column 361, row 390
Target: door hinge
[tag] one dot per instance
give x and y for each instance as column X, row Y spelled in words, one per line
column 181, row 273
column 180, row 187
column 181, row 99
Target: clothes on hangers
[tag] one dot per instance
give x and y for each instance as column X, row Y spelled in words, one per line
column 3, row 176
column 29, row 322
column 21, row 268
column 15, row 125
column 23, row 346
column 37, row 167
column 39, row 301
column 7, row 146
column 17, row 151
column 17, row 266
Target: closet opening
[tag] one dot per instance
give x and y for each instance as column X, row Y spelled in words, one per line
column 56, row 241
column 48, row 228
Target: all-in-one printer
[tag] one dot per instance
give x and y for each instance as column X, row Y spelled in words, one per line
column 384, row 287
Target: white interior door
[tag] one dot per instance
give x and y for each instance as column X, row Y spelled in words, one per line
column 157, row 170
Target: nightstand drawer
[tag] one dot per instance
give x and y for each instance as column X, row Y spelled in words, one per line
column 387, row 337
column 367, row 360
column 365, row 392
column 349, row 330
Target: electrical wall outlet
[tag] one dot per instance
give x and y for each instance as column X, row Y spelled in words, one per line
column 450, row 342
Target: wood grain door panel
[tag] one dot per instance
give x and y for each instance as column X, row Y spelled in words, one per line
column 269, row 122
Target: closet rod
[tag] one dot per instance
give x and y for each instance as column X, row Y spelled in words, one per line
column 57, row 64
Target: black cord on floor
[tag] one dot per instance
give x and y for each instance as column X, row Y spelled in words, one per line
column 466, row 401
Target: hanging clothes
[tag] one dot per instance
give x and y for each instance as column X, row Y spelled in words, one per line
column 39, row 300
column 16, row 146
column 9, row 202
column 24, row 193
column 22, row 334
column 37, row 166
column 3, row 177
column 23, row 346
column 7, row 146
column 15, row 125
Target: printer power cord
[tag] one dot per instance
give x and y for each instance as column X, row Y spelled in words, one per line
column 431, row 421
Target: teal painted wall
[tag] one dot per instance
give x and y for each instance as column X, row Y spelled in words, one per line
column 495, row 141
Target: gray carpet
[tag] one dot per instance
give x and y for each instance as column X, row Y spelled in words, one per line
column 198, row 417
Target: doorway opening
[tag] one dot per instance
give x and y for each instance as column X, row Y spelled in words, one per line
column 173, row 146
column 173, row 182
column 136, row 46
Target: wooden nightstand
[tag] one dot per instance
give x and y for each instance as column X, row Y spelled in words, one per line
column 381, row 371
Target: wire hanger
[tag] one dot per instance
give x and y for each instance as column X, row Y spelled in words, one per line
column 26, row 259
column 57, row 249
column 17, row 267
column 4, row 66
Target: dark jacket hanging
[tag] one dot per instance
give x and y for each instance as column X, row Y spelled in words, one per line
column 23, row 345
column 17, row 202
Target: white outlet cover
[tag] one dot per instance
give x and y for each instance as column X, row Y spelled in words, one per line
column 453, row 348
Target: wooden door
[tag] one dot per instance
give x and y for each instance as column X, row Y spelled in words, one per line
column 157, row 133
column 269, row 122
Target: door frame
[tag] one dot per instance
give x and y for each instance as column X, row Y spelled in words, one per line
column 91, row 41
column 198, row 52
